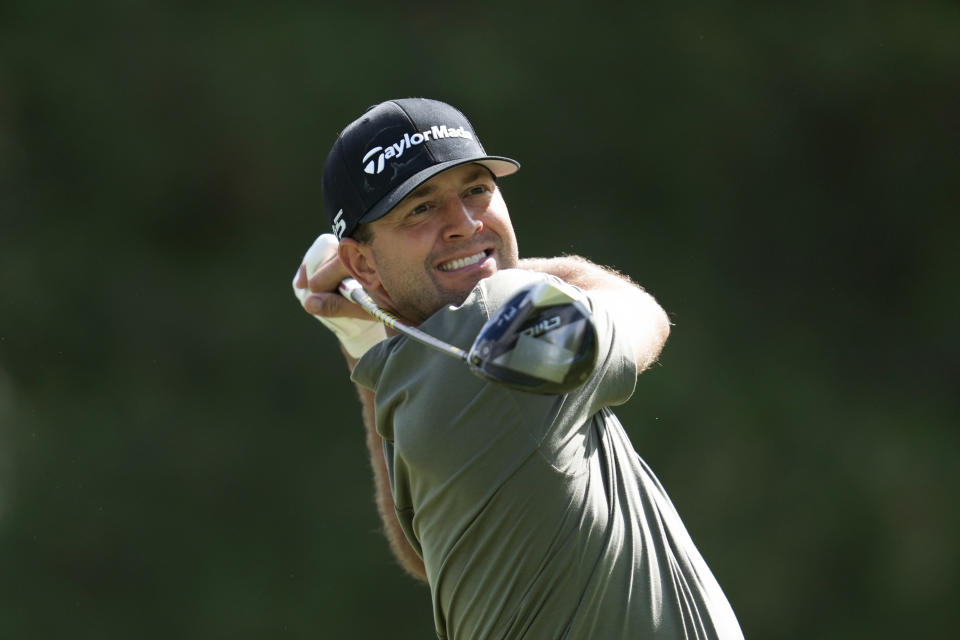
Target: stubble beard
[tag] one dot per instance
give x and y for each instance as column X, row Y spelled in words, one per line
column 418, row 296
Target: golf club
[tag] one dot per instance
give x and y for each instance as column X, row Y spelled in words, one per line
column 542, row 340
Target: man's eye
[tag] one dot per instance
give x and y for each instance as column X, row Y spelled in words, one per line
column 420, row 208
column 478, row 190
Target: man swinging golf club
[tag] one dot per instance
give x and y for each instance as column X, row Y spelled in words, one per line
column 528, row 514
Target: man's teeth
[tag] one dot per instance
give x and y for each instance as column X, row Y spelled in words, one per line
column 462, row 262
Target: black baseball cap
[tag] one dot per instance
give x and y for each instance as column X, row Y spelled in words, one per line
column 391, row 150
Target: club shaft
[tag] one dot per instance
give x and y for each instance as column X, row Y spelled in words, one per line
column 351, row 290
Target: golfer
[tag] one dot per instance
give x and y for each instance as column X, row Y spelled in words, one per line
column 529, row 516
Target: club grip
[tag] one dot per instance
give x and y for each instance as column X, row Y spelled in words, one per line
column 349, row 289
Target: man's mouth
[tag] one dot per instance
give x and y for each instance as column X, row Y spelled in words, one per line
column 460, row 263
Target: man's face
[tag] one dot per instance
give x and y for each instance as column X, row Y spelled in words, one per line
column 439, row 241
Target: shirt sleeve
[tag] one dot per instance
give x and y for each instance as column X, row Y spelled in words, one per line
column 615, row 377
column 369, row 368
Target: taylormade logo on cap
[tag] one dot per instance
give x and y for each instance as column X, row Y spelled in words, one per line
column 375, row 160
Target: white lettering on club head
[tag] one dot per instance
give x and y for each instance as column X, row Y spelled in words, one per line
column 542, row 327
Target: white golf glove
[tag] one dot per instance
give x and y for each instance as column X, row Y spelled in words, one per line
column 356, row 334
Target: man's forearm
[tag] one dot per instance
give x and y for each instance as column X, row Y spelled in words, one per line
column 634, row 310
column 402, row 551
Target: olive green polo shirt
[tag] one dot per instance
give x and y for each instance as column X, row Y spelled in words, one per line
column 533, row 514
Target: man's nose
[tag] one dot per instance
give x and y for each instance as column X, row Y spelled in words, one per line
column 462, row 221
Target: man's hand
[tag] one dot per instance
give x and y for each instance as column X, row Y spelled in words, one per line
column 315, row 285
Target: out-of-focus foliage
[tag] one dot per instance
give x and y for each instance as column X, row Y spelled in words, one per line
column 181, row 453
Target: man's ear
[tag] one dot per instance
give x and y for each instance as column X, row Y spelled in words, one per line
column 359, row 261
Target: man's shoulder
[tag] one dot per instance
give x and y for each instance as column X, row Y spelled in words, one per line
column 511, row 279
column 492, row 292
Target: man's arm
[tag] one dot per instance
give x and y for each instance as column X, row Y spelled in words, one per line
column 315, row 285
column 402, row 551
column 633, row 309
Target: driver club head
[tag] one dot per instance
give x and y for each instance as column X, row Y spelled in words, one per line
column 542, row 340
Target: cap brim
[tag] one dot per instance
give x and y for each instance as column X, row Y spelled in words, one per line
column 498, row 165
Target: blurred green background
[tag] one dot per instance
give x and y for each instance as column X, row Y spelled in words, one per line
column 181, row 452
